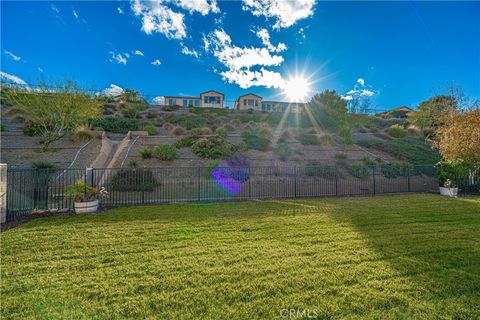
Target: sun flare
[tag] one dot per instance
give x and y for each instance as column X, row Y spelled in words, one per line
column 297, row 89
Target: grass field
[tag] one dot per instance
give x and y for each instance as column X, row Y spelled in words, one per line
column 385, row 257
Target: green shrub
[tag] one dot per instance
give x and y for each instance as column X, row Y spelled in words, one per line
column 2, row 128
column 132, row 164
column 43, row 165
column 210, row 166
column 197, row 131
column 80, row 192
column 186, row 142
column 151, row 130
column 31, row 131
column 138, row 106
column 314, row 169
column 360, row 171
column 242, row 146
column 414, row 151
column 130, row 113
column 165, row 152
column 397, row 131
column 146, row 153
column 116, row 125
column 283, row 150
column 393, row 170
column 189, row 121
column 221, row 132
column 138, row 179
column 308, row 139
column 346, row 134
column 213, row 148
column 257, row 143
column 151, row 115
column 368, row 161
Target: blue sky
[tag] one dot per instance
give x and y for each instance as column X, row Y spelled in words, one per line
column 398, row 53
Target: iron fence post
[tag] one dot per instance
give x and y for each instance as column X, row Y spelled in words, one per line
column 249, row 184
column 295, row 186
column 35, row 192
column 143, row 186
column 336, row 180
column 408, row 177
column 198, row 183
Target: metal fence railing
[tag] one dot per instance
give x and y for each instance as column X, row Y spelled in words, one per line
column 33, row 190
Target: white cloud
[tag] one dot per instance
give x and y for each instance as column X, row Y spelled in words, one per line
column 360, row 91
column 236, row 57
column 240, row 61
column 301, row 33
column 12, row 56
column 12, row 78
column 157, row 16
column 75, row 14
column 202, row 6
column 120, row 58
column 156, row 62
column 285, row 12
column 189, row 52
column 40, row 69
column 138, row 53
column 160, row 100
column 265, row 36
column 112, row 91
column 246, row 78
column 120, row 10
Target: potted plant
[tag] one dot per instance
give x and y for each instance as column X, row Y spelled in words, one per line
column 84, row 196
column 448, row 189
column 447, row 175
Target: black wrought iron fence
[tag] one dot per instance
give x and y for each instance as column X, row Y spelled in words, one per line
column 32, row 190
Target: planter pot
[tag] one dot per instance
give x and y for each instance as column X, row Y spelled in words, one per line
column 86, row 207
column 451, row 192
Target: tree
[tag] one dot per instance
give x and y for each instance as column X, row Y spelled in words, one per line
column 458, row 138
column 329, row 109
column 430, row 112
column 53, row 113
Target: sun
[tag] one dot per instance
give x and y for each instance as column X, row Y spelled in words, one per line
column 297, row 89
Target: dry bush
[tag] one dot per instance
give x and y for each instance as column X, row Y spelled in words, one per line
column 82, row 133
column 235, row 122
column 206, row 131
column 168, row 126
column 326, row 139
column 229, row 127
column 414, row 131
column 397, row 131
column 218, row 122
column 178, row 131
column 265, row 132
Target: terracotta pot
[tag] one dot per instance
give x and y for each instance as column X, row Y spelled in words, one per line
column 86, row 207
column 451, row 192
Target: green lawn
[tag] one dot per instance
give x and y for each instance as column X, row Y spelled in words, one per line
column 404, row 256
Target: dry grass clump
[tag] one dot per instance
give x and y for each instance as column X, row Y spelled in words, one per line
column 326, row 139
column 82, row 133
column 414, row 131
column 265, row 132
column 397, row 131
column 382, row 135
column 168, row 126
column 178, row 131
column 206, row 131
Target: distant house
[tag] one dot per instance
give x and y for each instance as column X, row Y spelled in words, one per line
column 256, row 102
column 207, row 99
column 400, row 112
